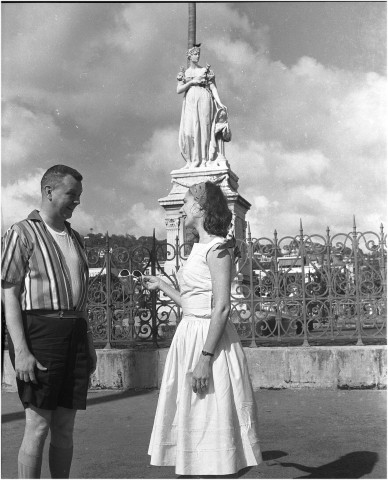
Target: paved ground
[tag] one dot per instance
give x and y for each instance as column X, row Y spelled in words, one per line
column 304, row 434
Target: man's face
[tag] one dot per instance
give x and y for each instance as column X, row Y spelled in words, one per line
column 66, row 196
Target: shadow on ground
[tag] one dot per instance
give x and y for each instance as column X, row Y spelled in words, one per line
column 351, row 465
column 267, row 456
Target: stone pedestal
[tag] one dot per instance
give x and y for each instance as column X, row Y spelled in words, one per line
column 184, row 178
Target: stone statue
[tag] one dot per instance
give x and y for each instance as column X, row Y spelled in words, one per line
column 204, row 122
column 220, row 133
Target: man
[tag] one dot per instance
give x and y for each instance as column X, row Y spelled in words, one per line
column 44, row 280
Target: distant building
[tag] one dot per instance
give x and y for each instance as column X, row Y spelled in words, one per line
column 93, row 272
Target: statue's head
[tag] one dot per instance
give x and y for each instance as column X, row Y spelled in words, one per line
column 194, row 50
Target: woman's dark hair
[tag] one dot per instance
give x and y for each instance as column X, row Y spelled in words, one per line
column 217, row 214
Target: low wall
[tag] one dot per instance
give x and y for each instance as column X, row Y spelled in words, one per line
column 281, row 367
column 322, row 367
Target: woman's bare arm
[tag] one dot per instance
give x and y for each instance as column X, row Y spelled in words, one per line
column 155, row 283
column 220, row 263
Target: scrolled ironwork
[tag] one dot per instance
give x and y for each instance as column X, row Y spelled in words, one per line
column 304, row 288
column 165, row 252
column 95, row 256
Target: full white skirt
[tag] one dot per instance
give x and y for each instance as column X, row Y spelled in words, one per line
column 208, row 434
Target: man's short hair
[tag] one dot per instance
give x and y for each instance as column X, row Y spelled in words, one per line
column 55, row 174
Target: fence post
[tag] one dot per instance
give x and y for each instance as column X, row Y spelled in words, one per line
column 304, row 303
column 329, row 284
column 131, row 306
column 276, row 292
column 252, row 290
column 154, row 294
column 357, row 283
column 382, row 263
column 108, row 293
column 177, row 266
column 177, row 253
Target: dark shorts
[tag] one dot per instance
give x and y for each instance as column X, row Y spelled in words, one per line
column 60, row 345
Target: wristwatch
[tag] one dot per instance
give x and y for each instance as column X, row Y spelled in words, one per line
column 207, row 354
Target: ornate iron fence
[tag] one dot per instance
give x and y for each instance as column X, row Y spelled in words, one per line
column 303, row 289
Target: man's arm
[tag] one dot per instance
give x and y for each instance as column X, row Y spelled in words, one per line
column 25, row 362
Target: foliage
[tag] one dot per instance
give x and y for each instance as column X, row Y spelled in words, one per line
column 125, row 241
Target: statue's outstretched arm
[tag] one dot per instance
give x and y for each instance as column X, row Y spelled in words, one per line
column 216, row 97
column 182, row 87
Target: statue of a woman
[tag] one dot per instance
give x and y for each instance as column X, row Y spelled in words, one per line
column 200, row 104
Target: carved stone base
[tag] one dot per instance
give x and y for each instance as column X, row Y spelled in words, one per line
column 184, row 178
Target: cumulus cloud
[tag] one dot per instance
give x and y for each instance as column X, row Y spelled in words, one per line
column 140, row 220
column 261, row 202
column 159, row 155
column 20, row 197
column 25, row 134
column 81, row 220
column 308, row 138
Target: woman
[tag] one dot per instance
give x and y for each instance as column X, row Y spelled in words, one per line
column 206, row 418
column 198, row 110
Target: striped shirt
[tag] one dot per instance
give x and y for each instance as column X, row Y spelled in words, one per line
column 32, row 258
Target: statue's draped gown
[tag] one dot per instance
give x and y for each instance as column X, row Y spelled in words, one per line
column 196, row 121
column 204, row 434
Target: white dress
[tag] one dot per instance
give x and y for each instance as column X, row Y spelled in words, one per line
column 214, row 433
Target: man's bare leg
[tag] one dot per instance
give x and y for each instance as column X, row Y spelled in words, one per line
column 61, row 446
column 31, row 449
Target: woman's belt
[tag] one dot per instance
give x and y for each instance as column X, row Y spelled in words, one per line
column 58, row 313
column 205, row 316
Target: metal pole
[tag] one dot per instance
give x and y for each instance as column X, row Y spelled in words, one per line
column 192, row 25
column 304, row 303
column 357, row 284
column 131, row 307
column 382, row 263
column 108, row 294
column 177, row 255
column 154, row 294
column 276, row 284
column 279, row 302
column 252, row 290
column 329, row 284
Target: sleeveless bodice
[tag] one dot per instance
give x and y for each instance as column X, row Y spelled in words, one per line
column 195, row 281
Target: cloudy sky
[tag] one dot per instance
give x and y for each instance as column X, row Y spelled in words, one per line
column 93, row 85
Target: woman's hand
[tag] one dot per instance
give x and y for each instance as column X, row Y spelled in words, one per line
column 201, row 375
column 183, row 87
column 198, row 80
column 222, row 106
column 151, row 282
